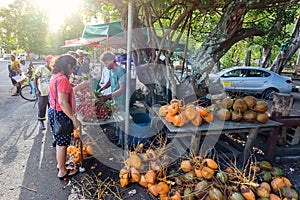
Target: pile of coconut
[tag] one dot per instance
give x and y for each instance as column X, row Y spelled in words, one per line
column 236, row 109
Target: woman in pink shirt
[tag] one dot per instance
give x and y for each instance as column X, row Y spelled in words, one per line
column 62, row 95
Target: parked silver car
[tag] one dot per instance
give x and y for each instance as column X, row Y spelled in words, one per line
column 254, row 80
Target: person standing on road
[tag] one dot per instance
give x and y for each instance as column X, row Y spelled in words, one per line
column 117, row 83
column 15, row 66
column 62, row 95
column 41, row 85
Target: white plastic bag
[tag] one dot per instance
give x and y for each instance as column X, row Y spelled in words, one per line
column 19, row 78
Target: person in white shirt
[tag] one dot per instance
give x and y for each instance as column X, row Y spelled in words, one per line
column 104, row 80
column 41, row 83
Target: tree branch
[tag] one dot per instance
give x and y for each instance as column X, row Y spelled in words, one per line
column 238, row 36
column 261, row 4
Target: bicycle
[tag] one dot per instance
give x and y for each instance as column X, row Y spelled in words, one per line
column 27, row 91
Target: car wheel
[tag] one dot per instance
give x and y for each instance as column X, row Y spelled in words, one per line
column 268, row 93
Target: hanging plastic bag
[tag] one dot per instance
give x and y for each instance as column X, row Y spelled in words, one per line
column 19, row 78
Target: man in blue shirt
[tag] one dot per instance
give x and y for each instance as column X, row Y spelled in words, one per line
column 116, row 82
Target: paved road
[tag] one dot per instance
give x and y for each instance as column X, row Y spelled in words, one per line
column 27, row 158
column 296, row 107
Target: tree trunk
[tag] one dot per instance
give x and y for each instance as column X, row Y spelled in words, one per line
column 228, row 32
column 298, row 58
column 285, row 56
column 266, row 55
column 154, row 76
column 248, row 58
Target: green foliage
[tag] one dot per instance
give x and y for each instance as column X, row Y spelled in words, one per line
column 24, row 27
column 94, row 10
column 235, row 56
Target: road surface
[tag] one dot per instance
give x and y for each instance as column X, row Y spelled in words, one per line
column 27, row 159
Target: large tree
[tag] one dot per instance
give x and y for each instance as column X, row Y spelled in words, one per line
column 289, row 50
column 23, row 27
column 222, row 23
column 32, row 28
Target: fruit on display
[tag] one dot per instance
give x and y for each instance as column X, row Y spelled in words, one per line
column 91, row 106
column 239, row 105
column 250, row 101
column 179, row 120
column 224, row 114
column 247, row 193
column 190, row 112
column 227, row 103
column 262, row 192
column 247, row 109
column 265, row 165
column 173, row 109
column 236, row 116
column 163, row 110
column 261, row 107
column 209, row 117
column 202, row 111
column 73, row 151
column 175, row 195
column 276, row 184
column 186, row 166
column 215, row 194
column 76, row 133
column 162, row 188
column 262, row 117
column 200, row 177
column 236, row 196
column 249, row 116
column 179, row 114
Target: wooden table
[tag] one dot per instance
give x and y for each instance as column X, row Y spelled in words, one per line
column 214, row 130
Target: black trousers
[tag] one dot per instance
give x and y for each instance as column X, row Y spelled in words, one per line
column 43, row 104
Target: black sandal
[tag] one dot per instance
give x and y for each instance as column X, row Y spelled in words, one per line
column 65, row 176
column 68, row 175
column 70, row 166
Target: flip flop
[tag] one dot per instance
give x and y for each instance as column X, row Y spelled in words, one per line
column 70, row 166
column 68, row 175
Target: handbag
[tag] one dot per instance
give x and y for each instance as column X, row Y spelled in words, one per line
column 63, row 126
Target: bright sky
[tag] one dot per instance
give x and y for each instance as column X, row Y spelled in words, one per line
column 4, row 3
column 57, row 10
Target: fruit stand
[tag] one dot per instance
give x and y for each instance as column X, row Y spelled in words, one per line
column 215, row 128
column 227, row 114
column 92, row 110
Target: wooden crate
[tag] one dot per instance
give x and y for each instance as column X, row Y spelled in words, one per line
column 282, row 103
column 293, row 135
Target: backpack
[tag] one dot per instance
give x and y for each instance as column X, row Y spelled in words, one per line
column 11, row 73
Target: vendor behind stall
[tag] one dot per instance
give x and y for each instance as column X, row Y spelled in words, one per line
column 117, row 84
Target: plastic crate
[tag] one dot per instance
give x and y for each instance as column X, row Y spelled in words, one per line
column 141, row 119
column 140, row 130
